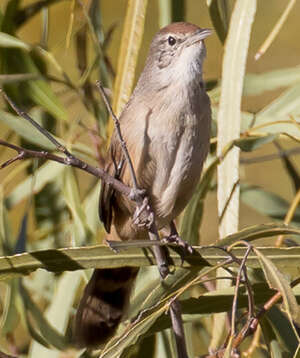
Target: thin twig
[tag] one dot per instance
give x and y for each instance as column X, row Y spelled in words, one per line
column 289, row 216
column 117, row 126
column 251, row 326
column 267, row 43
column 23, row 114
column 72, row 161
column 235, row 298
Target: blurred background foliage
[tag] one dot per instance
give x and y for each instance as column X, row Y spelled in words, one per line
column 51, row 54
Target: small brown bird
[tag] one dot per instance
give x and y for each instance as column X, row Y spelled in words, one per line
column 166, row 126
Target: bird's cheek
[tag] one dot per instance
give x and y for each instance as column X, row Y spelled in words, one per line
column 164, row 60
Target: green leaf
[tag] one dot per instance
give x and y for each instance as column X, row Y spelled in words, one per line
column 9, row 41
column 57, row 315
column 164, row 347
column 193, row 309
column 290, row 167
column 270, row 339
column 42, row 94
column 256, row 84
column 257, row 232
column 71, row 259
column 90, row 207
column 80, row 230
column 150, row 289
column 267, row 203
column 282, row 328
column 151, row 308
column 10, row 315
column 25, row 130
column 178, row 10
column 48, row 172
column 27, row 12
column 277, row 281
column 219, row 14
column 39, row 90
column 48, row 331
column 248, row 144
column 218, row 301
column 146, row 349
column 284, row 106
column 116, row 346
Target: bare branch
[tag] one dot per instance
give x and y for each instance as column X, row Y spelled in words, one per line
column 23, row 114
column 73, row 161
column 118, row 129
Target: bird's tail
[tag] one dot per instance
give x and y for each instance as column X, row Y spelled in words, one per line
column 103, row 305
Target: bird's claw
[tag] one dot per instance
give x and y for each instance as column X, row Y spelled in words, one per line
column 143, row 216
column 176, row 239
column 185, row 246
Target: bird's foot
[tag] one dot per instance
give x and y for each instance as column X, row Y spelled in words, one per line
column 143, row 216
column 176, row 239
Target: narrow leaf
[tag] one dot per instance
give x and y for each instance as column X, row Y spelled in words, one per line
column 71, row 259
column 256, row 84
column 248, row 144
column 267, row 203
column 48, row 172
column 9, row 41
column 58, row 313
column 219, row 14
column 71, row 194
column 282, row 328
column 277, row 281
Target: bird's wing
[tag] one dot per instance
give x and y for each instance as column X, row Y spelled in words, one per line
column 114, row 167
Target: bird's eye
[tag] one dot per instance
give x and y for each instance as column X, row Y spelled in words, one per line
column 171, row 41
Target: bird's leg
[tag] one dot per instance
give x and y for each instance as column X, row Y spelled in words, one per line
column 175, row 238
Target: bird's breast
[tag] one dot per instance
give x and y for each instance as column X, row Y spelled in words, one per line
column 178, row 149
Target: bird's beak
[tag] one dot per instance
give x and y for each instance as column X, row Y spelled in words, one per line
column 199, row 35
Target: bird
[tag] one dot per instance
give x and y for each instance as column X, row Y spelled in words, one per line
column 166, row 128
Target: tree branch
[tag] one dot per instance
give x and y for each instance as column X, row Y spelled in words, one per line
column 72, row 161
